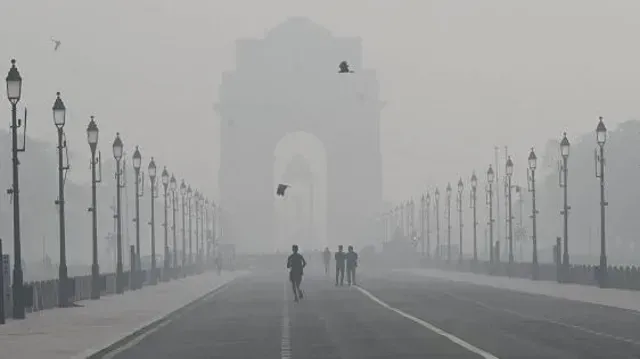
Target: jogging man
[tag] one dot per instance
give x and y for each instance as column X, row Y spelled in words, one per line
column 340, row 258
column 352, row 263
column 296, row 264
column 326, row 256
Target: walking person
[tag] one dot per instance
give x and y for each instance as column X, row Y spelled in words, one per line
column 340, row 259
column 296, row 264
column 326, row 256
column 352, row 263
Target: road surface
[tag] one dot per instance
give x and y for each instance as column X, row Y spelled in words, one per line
column 390, row 316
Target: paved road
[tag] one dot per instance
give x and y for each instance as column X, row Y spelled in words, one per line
column 255, row 317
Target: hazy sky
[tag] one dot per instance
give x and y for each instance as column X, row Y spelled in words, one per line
column 459, row 76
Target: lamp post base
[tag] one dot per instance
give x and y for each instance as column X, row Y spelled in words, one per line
column 63, row 287
column 95, row 282
column 18, row 293
column 603, row 281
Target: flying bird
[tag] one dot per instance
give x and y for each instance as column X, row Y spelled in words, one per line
column 57, row 42
column 344, row 68
column 281, row 189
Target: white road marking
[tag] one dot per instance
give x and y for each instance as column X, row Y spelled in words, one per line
column 542, row 319
column 285, row 343
column 431, row 327
column 170, row 318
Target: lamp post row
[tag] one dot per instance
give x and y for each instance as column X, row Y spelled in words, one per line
column 14, row 94
column 563, row 263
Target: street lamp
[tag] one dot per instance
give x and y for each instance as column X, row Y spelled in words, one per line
column 165, row 185
column 173, row 185
column 474, row 185
column 202, row 232
column 183, row 192
column 59, row 117
column 139, row 188
column 601, row 138
column 533, row 161
column 437, row 208
column 490, row 179
column 427, row 209
column 14, row 91
column 196, row 205
column 189, row 197
column 448, row 222
column 423, row 201
column 117, row 155
column 92, row 138
column 564, row 151
column 151, row 169
column 459, row 202
column 509, row 171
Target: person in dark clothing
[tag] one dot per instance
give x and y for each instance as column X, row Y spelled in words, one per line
column 326, row 256
column 340, row 258
column 296, row 264
column 352, row 263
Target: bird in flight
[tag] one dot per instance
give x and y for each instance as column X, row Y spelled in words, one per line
column 57, row 42
column 281, row 188
column 344, row 68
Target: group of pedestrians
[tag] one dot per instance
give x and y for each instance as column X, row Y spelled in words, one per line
column 348, row 260
column 296, row 264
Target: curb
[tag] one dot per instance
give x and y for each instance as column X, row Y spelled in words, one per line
column 97, row 354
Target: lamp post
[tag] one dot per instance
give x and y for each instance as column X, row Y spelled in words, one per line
column 92, row 138
column 564, row 151
column 14, row 91
column 509, row 171
column 152, row 179
column 437, row 208
column 206, row 235
column 427, row 206
column 196, row 205
column 423, row 204
column 448, row 222
column 183, row 192
column 601, row 137
column 165, row 185
column 474, row 185
column 189, row 197
column 137, row 163
column 117, row 155
column 490, row 179
column 173, row 185
column 59, row 118
column 459, row 202
column 202, row 228
column 533, row 160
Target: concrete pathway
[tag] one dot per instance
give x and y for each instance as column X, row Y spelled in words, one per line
column 618, row 298
column 80, row 332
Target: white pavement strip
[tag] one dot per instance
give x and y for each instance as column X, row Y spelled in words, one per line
column 542, row 319
column 431, row 327
column 160, row 324
column 285, row 344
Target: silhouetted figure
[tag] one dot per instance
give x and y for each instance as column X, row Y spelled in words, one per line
column 296, row 264
column 281, row 189
column 344, row 68
column 326, row 256
column 352, row 263
column 340, row 258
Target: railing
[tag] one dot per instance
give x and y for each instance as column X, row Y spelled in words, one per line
column 618, row 277
column 42, row 295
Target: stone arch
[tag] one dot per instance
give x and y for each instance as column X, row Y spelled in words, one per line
column 288, row 82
